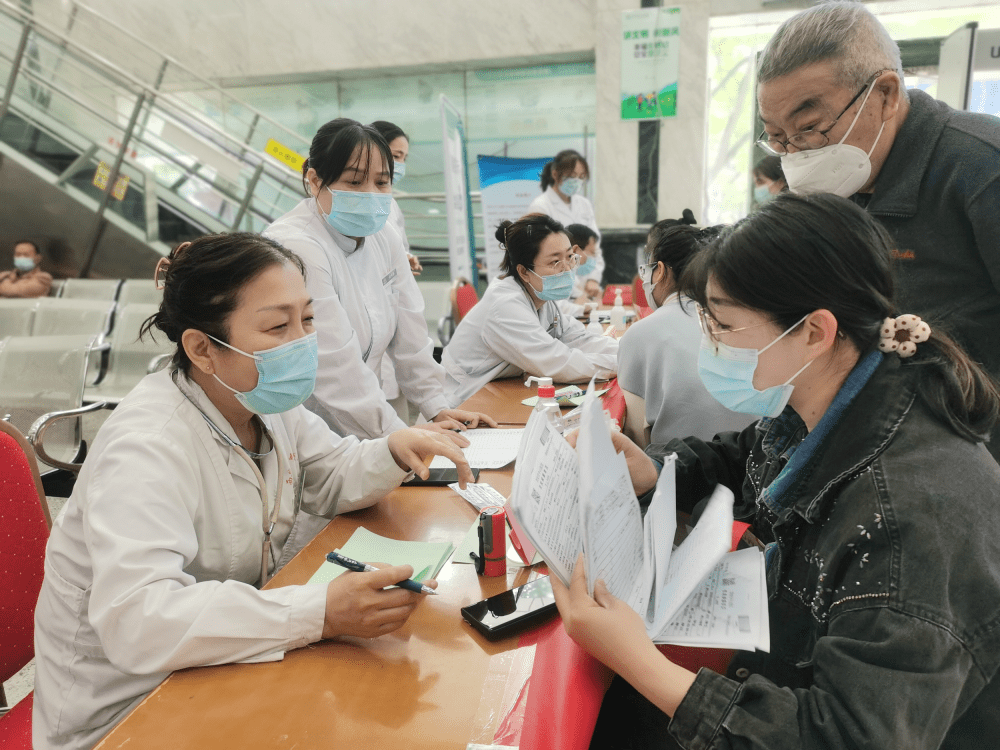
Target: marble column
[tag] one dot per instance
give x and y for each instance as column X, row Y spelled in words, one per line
column 682, row 138
column 616, row 165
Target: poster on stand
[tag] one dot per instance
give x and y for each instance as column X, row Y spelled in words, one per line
column 507, row 187
column 461, row 235
column 651, row 44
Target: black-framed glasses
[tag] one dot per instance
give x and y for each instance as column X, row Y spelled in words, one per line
column 807, row 140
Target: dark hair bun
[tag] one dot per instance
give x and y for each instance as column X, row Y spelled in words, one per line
column 501, row 233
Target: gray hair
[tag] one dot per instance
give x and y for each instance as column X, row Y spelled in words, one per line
column 843, row 31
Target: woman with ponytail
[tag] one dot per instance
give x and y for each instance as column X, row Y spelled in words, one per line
column 562, row 198
column 868, row 485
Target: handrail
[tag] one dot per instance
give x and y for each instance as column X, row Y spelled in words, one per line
column 152, row 94
column 257, row 113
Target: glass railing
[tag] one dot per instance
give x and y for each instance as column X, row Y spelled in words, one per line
column 133, row 148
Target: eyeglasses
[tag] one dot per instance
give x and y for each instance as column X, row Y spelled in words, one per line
column 562, row 266
column 646, row 271
column 808, row 140
column 712, row 328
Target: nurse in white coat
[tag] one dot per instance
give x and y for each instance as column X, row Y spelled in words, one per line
column 517, row 327
column 186, row 502
column 399, row 147
column 366, row 300
column 562, row 185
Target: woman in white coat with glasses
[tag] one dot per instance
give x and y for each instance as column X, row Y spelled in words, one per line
column 517, row 328
column 187, row 501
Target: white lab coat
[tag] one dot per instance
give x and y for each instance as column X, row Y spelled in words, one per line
column 152, row 566
column 367, row 305
column 504, row 335
column 579, row 211
column 388, row 375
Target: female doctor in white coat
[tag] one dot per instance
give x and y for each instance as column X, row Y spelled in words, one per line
column 517, row 327
column 366, row 300
column 186, row 501
column 562, row 184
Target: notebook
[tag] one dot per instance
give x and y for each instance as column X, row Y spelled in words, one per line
column 427, row 558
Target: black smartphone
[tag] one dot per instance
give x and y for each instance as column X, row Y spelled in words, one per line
column 507, row 613
column 439, row 478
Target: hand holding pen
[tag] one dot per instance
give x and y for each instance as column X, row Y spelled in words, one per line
column 360, row 567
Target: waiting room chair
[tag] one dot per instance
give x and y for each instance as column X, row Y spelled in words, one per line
column 56, row 289
column 129, row 359
column 43, row 374
column 609, row 294
column 462, row 297
column 98, row 289
column 17, row 316
column 65, row 317
column 24, row 514
column 139, row 291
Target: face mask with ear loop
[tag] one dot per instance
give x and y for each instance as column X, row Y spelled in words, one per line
column 836, row 168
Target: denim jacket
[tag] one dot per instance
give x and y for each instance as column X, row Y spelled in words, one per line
column 884, row 593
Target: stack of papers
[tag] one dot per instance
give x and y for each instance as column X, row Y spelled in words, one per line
column 427, row 558
column 489, row 448
column 571, row 501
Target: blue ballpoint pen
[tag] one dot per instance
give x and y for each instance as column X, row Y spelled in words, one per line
column 360, row 567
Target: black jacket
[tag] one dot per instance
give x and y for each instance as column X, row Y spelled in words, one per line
column 938, row 195
column 884, row 589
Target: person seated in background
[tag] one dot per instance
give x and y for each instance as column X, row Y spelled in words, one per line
column 658, row 355
column 768, row 179
column 586, row 289
column 27, row 279
column 867, row 481
column 517, row 327
column 156, row 562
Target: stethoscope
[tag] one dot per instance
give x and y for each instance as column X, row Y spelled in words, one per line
column 269, row 520
column 556, row 323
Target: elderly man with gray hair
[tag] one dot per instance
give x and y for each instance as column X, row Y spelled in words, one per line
column 831, row 95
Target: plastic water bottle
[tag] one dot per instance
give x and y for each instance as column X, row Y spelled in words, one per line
column 618, row 313
column 594, row 326
column 547, row 403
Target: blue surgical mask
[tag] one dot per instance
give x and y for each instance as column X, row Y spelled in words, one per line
column 358, row 214
column 587, row 267
column 728, row 376
column 286, row 376
column 762, row 195
column 556, row 287
column 398, row 171
column 570, row 186
column 23, row 265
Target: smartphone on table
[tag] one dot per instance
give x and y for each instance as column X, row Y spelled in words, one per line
column 439, row 478
column 512, row 611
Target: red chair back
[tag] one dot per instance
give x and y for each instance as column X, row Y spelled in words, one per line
column 24, row 515
column 609, row 294
column 614, row 403
column 465, row 299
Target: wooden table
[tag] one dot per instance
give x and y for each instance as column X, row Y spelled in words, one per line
column 435, row 683
column 501, row 399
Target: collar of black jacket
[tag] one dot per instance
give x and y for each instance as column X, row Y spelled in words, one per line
column 897, row 187
column 864, row 431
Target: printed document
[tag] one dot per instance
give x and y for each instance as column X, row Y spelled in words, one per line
column 570, row 501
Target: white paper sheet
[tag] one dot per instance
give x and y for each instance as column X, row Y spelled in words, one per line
column 480, row 495
column 490, row 448
column 724, row 610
